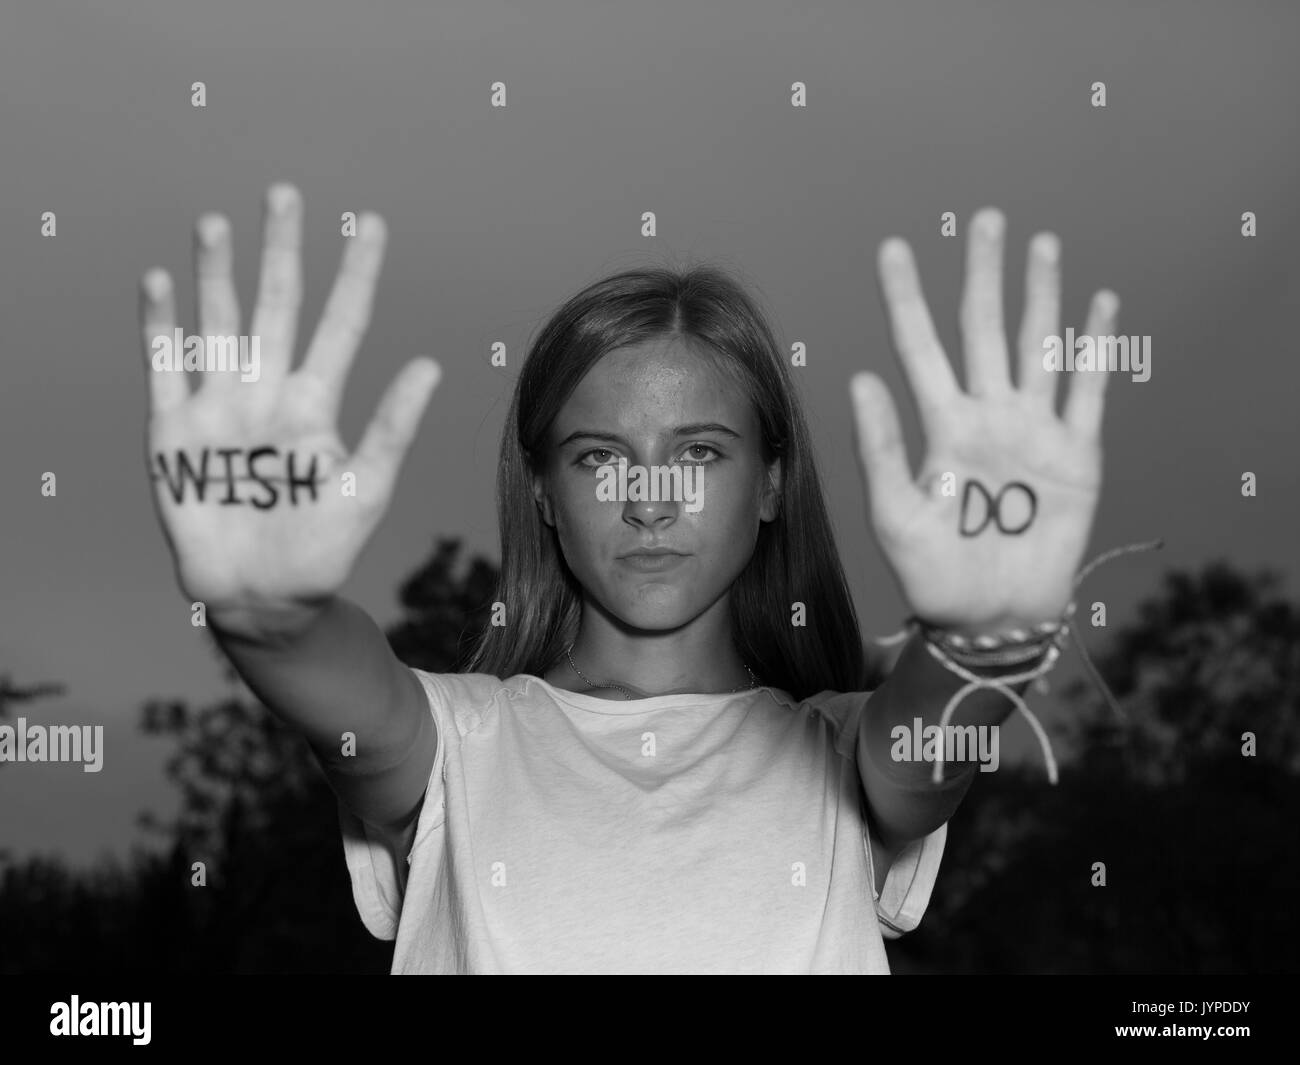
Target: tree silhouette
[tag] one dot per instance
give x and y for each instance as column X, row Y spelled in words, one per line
column 258, row 813
column 1195, row 828
column 10, row 694
column 444, row 611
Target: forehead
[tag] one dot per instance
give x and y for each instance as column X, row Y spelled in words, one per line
column 653, row 385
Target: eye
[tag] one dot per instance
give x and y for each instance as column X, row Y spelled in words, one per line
column 703, row 447
column 609, row 458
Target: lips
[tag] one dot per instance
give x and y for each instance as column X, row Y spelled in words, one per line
column 653, row 561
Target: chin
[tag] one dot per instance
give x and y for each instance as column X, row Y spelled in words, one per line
column 654, row 613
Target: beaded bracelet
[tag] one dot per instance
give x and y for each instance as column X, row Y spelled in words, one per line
column 1014, row 648
column 959, row 654
column 957, row 643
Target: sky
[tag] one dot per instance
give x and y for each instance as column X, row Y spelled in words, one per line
column 496, row 215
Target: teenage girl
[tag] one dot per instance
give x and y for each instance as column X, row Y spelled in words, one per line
column 663, row 756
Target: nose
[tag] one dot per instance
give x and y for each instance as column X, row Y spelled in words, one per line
column 651, row 514
column 636, row 485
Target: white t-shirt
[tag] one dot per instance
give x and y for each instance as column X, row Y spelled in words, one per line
column 563, row 833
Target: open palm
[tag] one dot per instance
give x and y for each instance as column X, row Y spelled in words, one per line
column 249, row 539
column 993, row 528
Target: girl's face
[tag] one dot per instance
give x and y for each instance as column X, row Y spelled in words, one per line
column 657, row 405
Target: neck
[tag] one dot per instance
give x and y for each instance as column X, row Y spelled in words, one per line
column 697, row 658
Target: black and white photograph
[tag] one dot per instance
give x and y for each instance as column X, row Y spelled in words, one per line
column 650, row 489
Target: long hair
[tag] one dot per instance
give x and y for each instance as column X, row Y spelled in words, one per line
column 794, row 559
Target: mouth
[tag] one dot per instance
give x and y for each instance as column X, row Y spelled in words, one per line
column 652, row 551
column 653, row 560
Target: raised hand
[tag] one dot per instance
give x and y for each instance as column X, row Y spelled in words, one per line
column 993, row 528
column 250, row 476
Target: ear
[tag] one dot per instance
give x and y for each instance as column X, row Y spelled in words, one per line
column 543, row 499
column 770, row 505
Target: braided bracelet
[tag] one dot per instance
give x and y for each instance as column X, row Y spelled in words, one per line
column 1014, row 648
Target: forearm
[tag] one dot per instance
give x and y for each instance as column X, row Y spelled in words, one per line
column 324, row 671
column 905, row 803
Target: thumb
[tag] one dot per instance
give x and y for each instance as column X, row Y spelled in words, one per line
column 390, row 432
column 881, row 450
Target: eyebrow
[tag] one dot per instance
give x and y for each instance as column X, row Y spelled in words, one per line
column 694, row 429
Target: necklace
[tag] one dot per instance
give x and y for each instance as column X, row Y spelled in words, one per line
column 626, row 694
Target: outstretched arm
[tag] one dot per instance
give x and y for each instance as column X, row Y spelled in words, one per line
column 989, row 534
column 265, row 511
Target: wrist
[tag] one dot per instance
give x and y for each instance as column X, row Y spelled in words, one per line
column 1013, row 641
column 1003, row 626
column 266, row 623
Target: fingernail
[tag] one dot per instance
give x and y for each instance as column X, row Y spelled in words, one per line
column 211, row 229
column 155, row 283
column 281, row 197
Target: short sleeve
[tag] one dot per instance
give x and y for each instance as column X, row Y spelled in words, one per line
column 372, row 861
column 906, row 892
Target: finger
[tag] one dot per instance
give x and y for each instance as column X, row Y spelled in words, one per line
column 347, row 312
column 167, row 387
column 1042, row 317
column 1085, row 403
column 279, row 292
column 882, row 452
column 390, row 432
column 983, row 334
column 926, row 366
column 218, row 301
